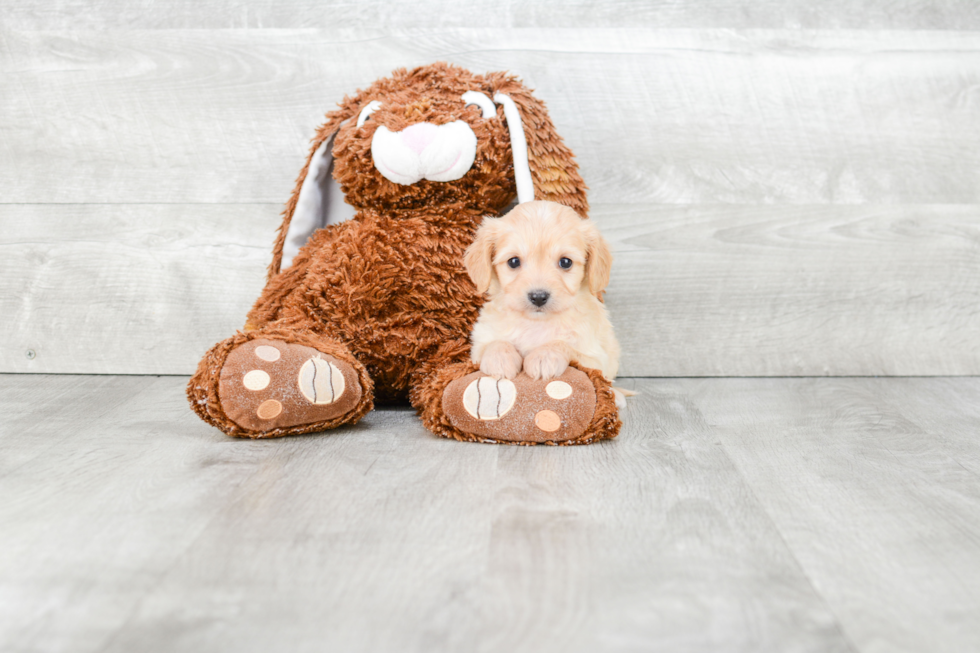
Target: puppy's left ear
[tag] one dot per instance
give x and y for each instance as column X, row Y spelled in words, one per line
column 479, row 256
column 598, row 262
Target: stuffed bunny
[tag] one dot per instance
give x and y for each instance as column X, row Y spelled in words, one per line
column 367, row 300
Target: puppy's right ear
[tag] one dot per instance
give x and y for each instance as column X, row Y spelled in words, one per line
column 479, row 255
column 598, row 264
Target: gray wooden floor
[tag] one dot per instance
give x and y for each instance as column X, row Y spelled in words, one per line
column 814, row 514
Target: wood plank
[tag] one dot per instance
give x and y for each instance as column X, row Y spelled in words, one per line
column 735, row 514
column 655, row 116
column 41, row 412
column 795, row 290
column 955, row 429
column 127, row 288
column 384, row 537
column 696, row 291
column 649, row 542
column 238, row 14
column 371, row 539
column 139, row 488
column 883, row 515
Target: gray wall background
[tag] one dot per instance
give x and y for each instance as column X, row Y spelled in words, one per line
column 790, row 188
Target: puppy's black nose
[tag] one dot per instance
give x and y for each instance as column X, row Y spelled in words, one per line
column 538, row 297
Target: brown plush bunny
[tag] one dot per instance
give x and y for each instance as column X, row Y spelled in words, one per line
column 378, row 307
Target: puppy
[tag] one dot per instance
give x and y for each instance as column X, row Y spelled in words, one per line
column 544, row 269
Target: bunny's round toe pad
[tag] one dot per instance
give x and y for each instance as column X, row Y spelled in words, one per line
column 270, row 384
column 522, row 409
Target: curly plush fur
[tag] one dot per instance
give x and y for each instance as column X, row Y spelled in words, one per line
column 386, row 291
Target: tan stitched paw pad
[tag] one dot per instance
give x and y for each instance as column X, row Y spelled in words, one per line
column 521, row 410
column 270, row 384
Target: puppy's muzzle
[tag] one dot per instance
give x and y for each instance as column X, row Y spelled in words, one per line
column 538, row 297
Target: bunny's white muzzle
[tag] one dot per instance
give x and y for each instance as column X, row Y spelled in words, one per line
column 424, row 151
column 421, row 151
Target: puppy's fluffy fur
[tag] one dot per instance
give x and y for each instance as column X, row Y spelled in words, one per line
column 541, row 251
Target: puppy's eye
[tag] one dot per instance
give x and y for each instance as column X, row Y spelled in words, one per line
column 514, row 263
column 564, row 263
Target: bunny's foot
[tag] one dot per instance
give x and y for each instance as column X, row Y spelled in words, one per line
column 265, row 387
column 461, row 402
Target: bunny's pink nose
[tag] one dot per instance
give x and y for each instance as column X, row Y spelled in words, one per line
column 419, row 135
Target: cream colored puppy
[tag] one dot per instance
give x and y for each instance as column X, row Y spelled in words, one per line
column 544, row 269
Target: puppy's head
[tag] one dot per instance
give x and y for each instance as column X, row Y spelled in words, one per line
column 538, row 258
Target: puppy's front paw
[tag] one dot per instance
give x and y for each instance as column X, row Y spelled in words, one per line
column 501, row 360
column 545, row 363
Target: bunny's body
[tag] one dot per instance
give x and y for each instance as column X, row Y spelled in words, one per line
column 391, row 287
column 379, row 307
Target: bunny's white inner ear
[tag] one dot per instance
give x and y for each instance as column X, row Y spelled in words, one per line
column 320, row 202
column 482, row 101
column 366, row 112
column 518, row 145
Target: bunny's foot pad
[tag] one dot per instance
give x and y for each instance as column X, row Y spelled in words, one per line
column 270, row 384
column 523, row 410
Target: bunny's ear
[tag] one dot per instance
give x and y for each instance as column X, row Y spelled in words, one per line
column 541, row 158
column 316, row 201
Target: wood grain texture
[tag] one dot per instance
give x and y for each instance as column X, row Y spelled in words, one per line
column 804, row 202
column 696, row 291
column 795, row 291
column 874, row 491
column 383, row 537
column 654, row 116
column 40, row 414
column 238, row 14
column 729, row 515
column 127, row 288
column 649, row 543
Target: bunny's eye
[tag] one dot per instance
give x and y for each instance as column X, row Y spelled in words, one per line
column 366, row 112
column 565, row 263
column 514, row 263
